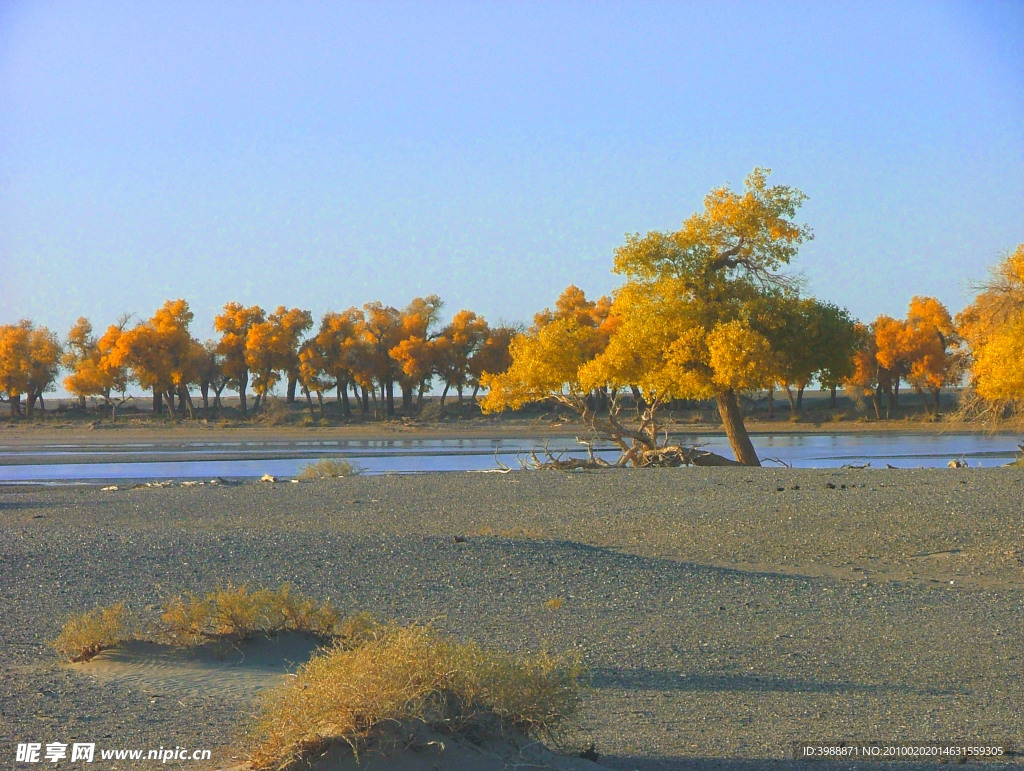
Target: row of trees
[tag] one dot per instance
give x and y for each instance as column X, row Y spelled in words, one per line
column 707, row 312
column 364, row 350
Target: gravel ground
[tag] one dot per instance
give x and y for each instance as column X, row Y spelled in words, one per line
column 724, row 613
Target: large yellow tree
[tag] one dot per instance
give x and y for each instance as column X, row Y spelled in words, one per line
column 234, row 325
column 29, row 362
column 162, row 355
column 684, row 325
column 993, row 327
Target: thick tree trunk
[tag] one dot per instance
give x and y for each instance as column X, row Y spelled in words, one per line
column 293, row 381
column 876, row 402
column 389, row 397
column 832, row 397
column 800, row 397
column 735, row 430
column 346, row 407
column 309, row 402
column 158, row 401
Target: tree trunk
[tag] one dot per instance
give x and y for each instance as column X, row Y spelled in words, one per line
column 204, row 390
column 444, row 395
column 926, row 401
column 243, row 386
column 771, row 402
column 732, row 419
column 935, row 394
column 638, row 401
column 188, row 403
column 832, row 397
column 169, row 398
column 389, row 397
column 346, row 408
column 309, row 402
column 30, row 405
column 792, row 401
column 876, row 402
column 293, row 381
column 800, row 397
column 158, row 401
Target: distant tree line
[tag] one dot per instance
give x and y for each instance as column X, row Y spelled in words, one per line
column 704, row 314
column 360, row 354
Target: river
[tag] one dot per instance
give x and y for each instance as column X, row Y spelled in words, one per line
column 84, row 462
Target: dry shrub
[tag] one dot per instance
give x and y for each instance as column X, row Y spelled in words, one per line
column 327, row 467
column 410, row 674
column 275, row 412
column 186, row 619
column 237, row 613
column 555, row 603
column 85, row 635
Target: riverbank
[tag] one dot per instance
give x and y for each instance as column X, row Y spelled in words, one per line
column 723, row 613
column 146, row 429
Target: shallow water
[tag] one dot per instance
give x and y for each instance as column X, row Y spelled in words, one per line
column 69, row 463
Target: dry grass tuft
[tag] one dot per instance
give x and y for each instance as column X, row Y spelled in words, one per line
column 237, row 613
column 85, row 635
column 555, row 603
column 327, row 468
column 410, row 674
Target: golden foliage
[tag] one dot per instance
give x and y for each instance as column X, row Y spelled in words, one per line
column 993, row 326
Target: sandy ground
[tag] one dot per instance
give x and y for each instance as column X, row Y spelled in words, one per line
column 724, row 614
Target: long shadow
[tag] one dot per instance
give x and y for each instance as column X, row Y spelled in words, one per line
column 643, row 679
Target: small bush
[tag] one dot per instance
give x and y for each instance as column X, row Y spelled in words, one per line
column 409, row 674
column 237, row 613
column 86, row 635
column 186, row 619
column 328, row 467
column 555, row 603
column 275, row 412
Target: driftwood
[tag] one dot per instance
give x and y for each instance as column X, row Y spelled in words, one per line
column 666, row 456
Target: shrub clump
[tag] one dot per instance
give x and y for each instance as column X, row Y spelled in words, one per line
column 328, row 467
column 399, row 674
column 237, row 613
column 85, row 635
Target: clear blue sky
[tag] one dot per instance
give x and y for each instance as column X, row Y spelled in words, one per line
column 328, row 154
